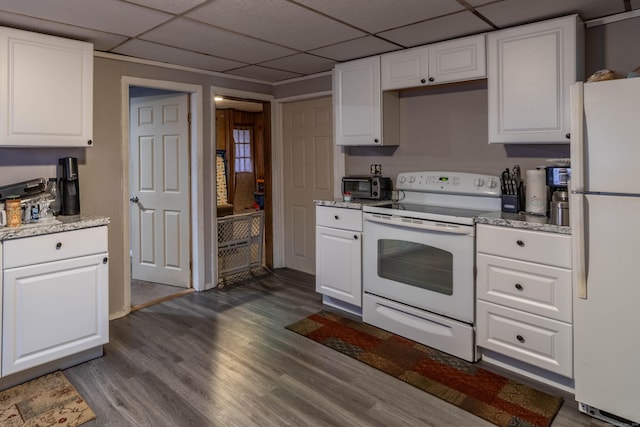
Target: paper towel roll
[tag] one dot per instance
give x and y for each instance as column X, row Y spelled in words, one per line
column 536, row 194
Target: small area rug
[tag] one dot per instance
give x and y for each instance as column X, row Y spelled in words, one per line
column 490, row 396
column 45, row 401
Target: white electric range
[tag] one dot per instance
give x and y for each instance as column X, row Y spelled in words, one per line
column 418, row 258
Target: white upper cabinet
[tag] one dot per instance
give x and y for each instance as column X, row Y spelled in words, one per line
column 405, row 68
column 458, row 60
column 357, row 104
column 449, row 61
column 46, row 90
column 530, row 69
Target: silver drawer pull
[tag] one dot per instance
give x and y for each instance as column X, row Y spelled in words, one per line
column 58, row 246
column 519, row 287
column 520, row 338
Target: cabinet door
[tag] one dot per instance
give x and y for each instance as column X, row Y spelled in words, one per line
column 339, row 264
column 404, row 69
column 53, row 310
column 458, row 60
column 530, row 70
column 357, row 102
column 46, row 94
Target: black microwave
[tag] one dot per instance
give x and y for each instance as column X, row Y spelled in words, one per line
column 367, row 187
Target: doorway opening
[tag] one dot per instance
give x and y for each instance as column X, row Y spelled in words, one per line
column 243, row 185
column 159, row 190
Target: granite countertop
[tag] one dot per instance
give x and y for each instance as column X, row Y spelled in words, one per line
column 502, row 219
column 523, row 221
column 57, row 225
column 353, row 204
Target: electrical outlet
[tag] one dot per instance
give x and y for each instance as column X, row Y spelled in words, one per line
column 375, row 169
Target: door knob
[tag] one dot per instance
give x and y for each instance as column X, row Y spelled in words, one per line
column 134, row 199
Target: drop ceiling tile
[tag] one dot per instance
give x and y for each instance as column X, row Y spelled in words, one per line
column 514, row 12
column 301, row 63
column 380, row 15
column 171, row 6
column 447, row 27
column 262, row 73
column 476, row 3
column 276, row 21
column 359, row 48
column 195, row 36
column 100, row 40
column 104, row 15
column 155, row 52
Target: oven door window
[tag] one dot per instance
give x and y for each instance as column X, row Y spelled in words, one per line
column 416, row 264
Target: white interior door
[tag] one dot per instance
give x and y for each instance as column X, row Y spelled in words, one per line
column 308, row 172
column 159, row 162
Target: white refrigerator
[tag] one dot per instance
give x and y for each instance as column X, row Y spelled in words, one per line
column 605, row 227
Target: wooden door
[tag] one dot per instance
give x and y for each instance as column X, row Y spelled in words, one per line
column 308, row 176
column 159, row 162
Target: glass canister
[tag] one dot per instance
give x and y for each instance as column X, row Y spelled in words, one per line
column 14, row 213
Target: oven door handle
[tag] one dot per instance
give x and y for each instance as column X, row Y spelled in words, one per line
column 421, row 224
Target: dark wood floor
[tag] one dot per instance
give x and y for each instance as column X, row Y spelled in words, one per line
column 224, row 358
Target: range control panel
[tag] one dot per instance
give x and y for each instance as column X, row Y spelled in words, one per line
column 449, row 182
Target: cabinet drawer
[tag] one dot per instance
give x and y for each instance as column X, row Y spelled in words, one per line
column 347, row 219
column 536, row 340
column 534, row 246
column 53, row 247
column 535, row 288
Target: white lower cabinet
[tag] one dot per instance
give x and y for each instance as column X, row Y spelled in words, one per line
column 339, row 254
column 55, row 297
column 524, row 296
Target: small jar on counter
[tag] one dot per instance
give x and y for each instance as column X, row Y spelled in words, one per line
column 14, row 212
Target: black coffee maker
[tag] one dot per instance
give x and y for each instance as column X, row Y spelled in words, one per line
column 69, row 186
column 557, row 182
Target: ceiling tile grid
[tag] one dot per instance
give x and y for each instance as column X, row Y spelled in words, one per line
column 277, row 40
column 277, row 21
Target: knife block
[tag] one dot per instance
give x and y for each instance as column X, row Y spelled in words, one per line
column 511, row 203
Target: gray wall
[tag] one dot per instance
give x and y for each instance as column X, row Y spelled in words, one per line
column 103, row 171
column 445, row 128
column 442, row 128
column 102, row 189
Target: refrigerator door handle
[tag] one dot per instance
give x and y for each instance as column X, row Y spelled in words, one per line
column 578, row 269
column 577, row 136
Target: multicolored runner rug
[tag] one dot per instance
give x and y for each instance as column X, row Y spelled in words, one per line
column 495, row 398
column 50, row 400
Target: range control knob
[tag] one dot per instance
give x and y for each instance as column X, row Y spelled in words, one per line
column 478, row 182
column 412, row 179
column 403, row 179
column 491, row 183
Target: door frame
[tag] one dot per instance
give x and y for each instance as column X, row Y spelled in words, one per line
column 196, row 175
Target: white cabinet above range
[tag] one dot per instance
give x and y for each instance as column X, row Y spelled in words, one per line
column 46, row 90
column 448, row 61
